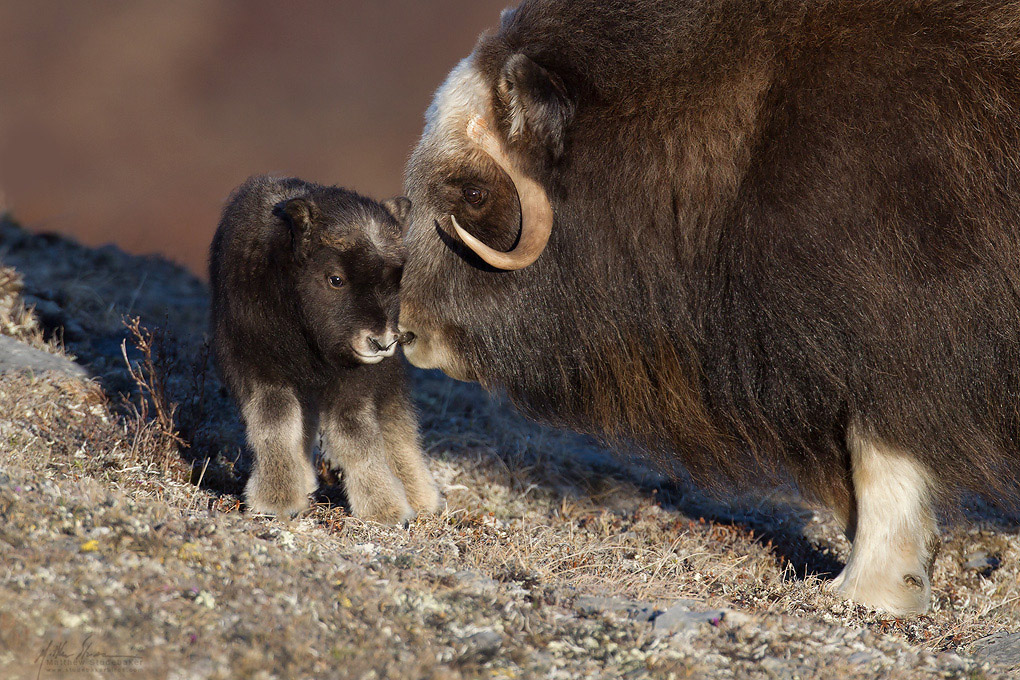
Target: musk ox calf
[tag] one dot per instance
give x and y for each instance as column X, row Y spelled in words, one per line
column 763, row 238
column 305, row 285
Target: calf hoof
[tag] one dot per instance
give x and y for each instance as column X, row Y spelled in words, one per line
column 394, row 512
column 282, row 495
column 425, row 497
column 901, row 595
column 383, row 500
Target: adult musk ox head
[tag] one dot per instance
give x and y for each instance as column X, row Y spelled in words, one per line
column 760, row 238
column 476, row 185
column 541, row 259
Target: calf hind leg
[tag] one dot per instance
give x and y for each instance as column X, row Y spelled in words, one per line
column 400, row 437
column 354, row 443
column 894, row 533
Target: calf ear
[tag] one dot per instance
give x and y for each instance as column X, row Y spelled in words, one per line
column 537, row 103
column 399, row 208
column 299, row 215
column 507, row 16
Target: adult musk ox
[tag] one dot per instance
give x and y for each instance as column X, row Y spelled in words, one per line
column 752, row 236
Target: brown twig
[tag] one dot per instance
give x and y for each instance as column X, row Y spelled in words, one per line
column 150, row 375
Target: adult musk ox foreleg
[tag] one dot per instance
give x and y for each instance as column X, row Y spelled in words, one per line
column 893, row 530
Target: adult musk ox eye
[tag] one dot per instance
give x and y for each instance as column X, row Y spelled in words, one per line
column 335, row 281
column 474, row 195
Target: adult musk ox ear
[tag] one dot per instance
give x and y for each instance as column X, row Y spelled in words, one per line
column 399, row 208
column 299, row 215
column 537, row 103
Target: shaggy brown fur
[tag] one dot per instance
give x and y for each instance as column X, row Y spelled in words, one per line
column 305, row 281
column 773, row 219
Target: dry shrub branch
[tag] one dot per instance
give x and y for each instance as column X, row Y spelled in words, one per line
column 154, row 410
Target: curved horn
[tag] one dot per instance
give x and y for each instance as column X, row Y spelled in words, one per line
column 536, row 211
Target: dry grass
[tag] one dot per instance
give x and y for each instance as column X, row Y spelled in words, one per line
column 546, row 515
column 16, row 320
column 600, row 527
column 67, row 428
column 153, row 407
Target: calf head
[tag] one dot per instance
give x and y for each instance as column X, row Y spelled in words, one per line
column 348, row 259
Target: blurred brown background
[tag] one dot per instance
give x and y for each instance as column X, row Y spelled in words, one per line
column 130, row 122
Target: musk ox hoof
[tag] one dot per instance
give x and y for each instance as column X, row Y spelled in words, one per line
column 895, row 537
column 386, row 511
column 898, row 594
column 376, row 495
column 280, row 494
column 424, row 496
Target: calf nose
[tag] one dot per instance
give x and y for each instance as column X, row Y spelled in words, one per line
column 374, row 347
column 381, row 344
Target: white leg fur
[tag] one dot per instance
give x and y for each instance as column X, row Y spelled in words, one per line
column 400, row 435
column 355, row 445
column 896, row 537
column 280, row 435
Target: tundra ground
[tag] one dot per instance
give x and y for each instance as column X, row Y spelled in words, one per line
column 125, row 550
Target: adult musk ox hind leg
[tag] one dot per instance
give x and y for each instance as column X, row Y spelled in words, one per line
column 893, row 528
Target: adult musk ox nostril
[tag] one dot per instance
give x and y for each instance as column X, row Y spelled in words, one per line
column 784, row 238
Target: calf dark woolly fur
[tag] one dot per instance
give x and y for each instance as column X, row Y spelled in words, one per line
column 786, row 238
column 305, row 298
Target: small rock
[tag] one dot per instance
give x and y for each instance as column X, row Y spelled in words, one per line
column 1000, row 649
column 631, row 609
column 68, row 620
column 480, row 647
column 19, row 356
column 681, row 617
column 981, row 561
column 286, row 539
column 205, row 599
column 474, row 583
column 861, row 658
column 367, row 549
column 776, row 668
column 951, row 662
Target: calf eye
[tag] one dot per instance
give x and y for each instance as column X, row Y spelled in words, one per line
column 336, row 281
column 474, row 195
